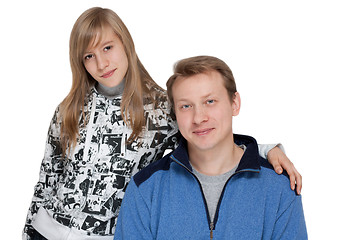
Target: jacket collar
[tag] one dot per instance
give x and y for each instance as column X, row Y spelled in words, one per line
column 249, row 161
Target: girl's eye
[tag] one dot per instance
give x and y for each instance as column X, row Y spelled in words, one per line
column 89, row 56
column 107, row 48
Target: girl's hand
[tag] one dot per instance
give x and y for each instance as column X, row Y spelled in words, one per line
column 280, row 161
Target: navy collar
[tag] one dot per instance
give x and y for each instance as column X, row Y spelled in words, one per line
column 249, row 161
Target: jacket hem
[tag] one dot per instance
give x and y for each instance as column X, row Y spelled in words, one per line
column 51, row 229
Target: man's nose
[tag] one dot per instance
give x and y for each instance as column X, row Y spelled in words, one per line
column 200, row 115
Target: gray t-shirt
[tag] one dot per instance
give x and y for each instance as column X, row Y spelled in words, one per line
column 212, row 187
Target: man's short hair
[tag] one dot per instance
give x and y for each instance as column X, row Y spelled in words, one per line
column 201, row 64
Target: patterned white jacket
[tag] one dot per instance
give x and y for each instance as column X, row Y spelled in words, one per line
column 80, row 198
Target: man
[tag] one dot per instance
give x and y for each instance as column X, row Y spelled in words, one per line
column 214, row 185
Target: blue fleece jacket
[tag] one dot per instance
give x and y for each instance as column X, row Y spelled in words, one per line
column 165, row 201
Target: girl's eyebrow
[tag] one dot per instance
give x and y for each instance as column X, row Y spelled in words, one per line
column 108, row 42
column 101, row 45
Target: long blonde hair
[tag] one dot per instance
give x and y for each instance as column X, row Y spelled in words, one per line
column 138, row 81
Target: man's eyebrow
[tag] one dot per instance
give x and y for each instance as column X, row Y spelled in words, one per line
column 184, row 99
column 181, row 100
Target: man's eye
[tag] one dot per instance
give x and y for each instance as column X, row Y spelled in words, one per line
column 210, row 101
column 185, row 106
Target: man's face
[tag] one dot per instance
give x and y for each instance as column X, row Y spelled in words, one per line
column 204, row 111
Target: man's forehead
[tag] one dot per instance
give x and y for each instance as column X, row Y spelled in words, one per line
column 200, row 85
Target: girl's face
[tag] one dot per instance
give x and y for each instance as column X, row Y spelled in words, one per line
column 105, row 59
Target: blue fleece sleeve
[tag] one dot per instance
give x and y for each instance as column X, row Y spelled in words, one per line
column 290, row 223
column 134, row 218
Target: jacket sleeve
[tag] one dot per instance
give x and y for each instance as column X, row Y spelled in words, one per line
column 290, row 222
column 50, row 171
column 172, row 135
column 134, row 217
column 264, row 149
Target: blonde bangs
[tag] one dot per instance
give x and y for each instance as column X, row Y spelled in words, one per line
column 90, row 36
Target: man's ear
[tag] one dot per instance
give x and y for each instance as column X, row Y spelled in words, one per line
column 236, row 104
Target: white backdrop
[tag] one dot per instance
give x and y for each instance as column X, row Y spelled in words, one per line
column 284, row 56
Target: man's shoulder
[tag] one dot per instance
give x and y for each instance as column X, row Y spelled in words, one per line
column 274, row 180
column 265, row 164
column 160, row 166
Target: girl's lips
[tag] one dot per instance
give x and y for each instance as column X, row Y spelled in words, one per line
column 202, row 132
column 108, row 74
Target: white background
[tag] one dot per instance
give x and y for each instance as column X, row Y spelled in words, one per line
column 284, row 56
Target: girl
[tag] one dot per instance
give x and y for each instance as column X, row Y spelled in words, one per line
column 114, row 121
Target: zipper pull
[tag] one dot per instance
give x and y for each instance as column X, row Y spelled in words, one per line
column 211, row 228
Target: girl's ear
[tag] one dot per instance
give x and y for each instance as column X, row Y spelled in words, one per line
column 236, row 104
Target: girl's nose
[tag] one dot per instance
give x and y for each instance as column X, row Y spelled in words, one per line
column 102, row 62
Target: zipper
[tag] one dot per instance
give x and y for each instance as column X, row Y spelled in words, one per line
column 86, row 147
column 211, row 229
column 90, row 130
column 212, row 223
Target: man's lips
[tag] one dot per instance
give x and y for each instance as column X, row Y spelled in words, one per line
column 202, row 132
column 108, row 74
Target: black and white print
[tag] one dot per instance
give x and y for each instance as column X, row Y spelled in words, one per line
column 85, row 191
